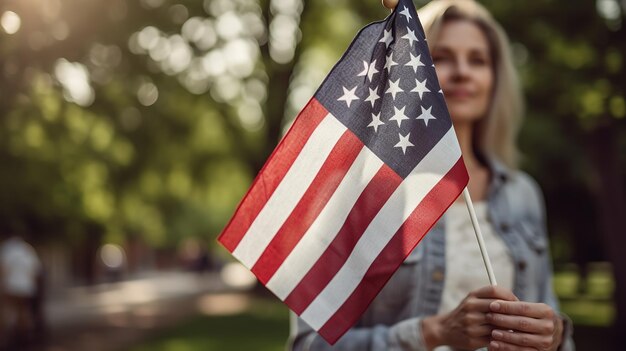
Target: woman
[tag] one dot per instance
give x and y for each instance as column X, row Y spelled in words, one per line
column 425, row 305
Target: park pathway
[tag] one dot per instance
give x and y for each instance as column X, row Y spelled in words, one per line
column 114, row 316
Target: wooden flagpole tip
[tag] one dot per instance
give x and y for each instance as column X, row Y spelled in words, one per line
column 390, row 4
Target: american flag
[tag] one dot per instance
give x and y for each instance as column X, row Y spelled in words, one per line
column 368, row 167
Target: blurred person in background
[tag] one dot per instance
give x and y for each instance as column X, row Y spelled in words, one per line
column 440, row 298
column 20, row 269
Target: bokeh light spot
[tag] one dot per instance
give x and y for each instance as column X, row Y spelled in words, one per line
column 112, row 256
column 147, row 94
column 10, row 22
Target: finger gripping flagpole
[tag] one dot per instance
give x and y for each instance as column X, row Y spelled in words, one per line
column 479, row 236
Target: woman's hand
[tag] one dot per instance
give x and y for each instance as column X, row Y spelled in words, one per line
column 466, row 327
column 390, row 4
column 524, row 326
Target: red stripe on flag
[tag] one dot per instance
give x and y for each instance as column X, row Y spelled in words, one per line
column 309, row 206
column 425, row 215
column 371, row 200
column 272, row 173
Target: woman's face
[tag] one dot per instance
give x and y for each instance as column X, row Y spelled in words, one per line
column 463, row 64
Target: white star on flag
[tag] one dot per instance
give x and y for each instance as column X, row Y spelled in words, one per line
column 368, row 71
column 406, row 13
column 387, row 38
column 365, row 70
column 373, row 96
column 404, row 142
column 415, row 62
column 426, row 115
column 420, row 88
column 394, row 88
column 411, row 37
column 398, row 115
column 348, row 96
column 376, row 122
column 390, row 62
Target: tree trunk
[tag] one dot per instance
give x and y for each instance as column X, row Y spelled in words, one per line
column 86, row 258
column 612, row 214
column 277, row 89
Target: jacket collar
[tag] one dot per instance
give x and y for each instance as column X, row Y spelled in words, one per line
column 500, row 172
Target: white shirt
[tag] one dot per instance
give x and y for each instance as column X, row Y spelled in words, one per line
column 20, row 266
column 465, row 270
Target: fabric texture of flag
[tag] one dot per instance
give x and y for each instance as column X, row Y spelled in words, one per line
column 368, row 167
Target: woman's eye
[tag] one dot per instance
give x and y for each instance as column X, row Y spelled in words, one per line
column 478, row 61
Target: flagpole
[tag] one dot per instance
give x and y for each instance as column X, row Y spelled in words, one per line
column 479, row 236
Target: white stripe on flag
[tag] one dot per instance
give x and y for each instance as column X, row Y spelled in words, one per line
column 326, row 226
column 289, row 191
column 386, row 223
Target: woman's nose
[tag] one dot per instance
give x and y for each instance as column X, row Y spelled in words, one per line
column 461, row 69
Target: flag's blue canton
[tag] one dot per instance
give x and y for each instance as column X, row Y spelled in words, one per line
column 400, row 127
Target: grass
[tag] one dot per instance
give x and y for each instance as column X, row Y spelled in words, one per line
column 263, row 327
column 593, row 307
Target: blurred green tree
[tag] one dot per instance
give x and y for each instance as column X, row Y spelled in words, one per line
column 572, row 61
column 148, row 119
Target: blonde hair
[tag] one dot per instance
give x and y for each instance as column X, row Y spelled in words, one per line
column 496, row 134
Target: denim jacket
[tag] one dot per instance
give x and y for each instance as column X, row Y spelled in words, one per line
column 516, row 211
